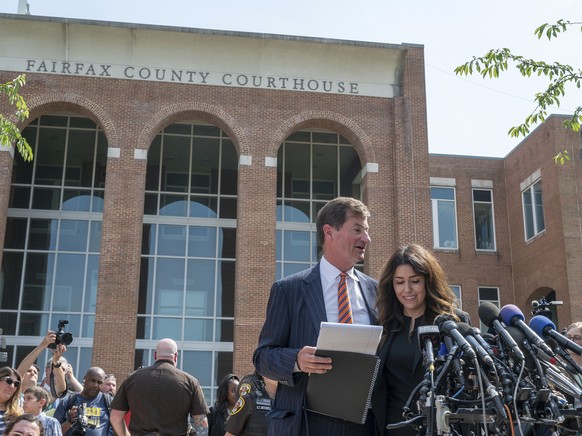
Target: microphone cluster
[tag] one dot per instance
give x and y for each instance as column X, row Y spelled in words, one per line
column 513, row 379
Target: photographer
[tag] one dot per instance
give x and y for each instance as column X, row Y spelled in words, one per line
column 87, row 412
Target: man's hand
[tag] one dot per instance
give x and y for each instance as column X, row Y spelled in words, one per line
column 308, row 362
column 48, row 339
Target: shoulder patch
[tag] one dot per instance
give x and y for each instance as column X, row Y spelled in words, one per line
column 244, row 389
column 238, row 406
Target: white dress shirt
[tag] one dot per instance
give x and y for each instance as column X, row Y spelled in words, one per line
column 330, row 281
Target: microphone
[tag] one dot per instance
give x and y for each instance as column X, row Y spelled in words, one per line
column 520, row 339
column 544, row 327
column 429, row 336
column 511, row 315
column 448, row 327
column 489, row 315
column 467, row 331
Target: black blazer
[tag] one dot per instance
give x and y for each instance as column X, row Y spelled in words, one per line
column 380, row 393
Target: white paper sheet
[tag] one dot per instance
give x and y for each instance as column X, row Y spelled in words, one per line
column 355, row 338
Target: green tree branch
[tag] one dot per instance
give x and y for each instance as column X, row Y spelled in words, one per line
column 559, row 75
column 9, row 133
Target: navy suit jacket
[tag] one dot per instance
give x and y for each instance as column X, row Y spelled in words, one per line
column 295, row 311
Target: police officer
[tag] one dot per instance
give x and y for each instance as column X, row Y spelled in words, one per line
column 249, row 415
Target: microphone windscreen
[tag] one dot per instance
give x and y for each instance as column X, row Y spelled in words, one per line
column 539, row 323
column 465, row 328
column 508, row 312
column 488, row 312
column 442, row 318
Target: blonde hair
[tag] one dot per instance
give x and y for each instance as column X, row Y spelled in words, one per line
column 13, row 408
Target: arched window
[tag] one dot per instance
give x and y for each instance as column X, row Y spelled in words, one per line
column 188, row 250
column 313, row 167
column 53, row 233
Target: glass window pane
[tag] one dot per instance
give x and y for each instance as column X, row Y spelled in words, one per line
column 224, row 330
column 539, row 208
column 77, row 200
column 46, row 198
column 146, row 286
column 69, row 279
column 200, row 288
column 42, row 234
column 167, row 328
column 173, row 205
column 481, row 195
column 169, row 286
column 296, row 246
column 203, row 207
column 528, row 214
column 176, row 161
column 148, row 239
column 38, row 279
column 171, row 240
column 297, row 170
column 447, row 224
column 11, row 279
column 15, row 233
column 227, row 244
column 19, row 197
column 95, row 236
column 199, row 363
column 225, row 289
column 33, row 324
column 73, row 235
column 484, row 226
column 201, row 241
column 205, row 161
column 153, row 165
column 91, row 283
column 198, row 330
column 80, row 160
column 442, row 193
column 228, row 169
column 228, row 208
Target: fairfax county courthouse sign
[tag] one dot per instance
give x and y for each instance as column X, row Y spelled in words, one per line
column 62, row 46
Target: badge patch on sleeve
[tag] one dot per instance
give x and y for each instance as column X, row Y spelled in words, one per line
column 244, row 389
column 238, row 406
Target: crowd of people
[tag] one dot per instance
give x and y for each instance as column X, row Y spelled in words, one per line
column 412, row 291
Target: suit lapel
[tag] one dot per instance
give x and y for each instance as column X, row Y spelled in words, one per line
column 313, row 296
column 368, row 289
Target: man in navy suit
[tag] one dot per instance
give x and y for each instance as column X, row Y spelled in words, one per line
column 297, row 306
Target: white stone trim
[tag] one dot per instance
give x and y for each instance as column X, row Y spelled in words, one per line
column 140, row 153
column 113, row 152
column 270, row 161
column 442, row 181
column 245, row 160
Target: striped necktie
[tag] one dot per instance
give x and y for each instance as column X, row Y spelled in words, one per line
column 343, row 300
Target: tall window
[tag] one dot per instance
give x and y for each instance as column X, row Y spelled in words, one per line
column 491, row 294
column 313, row 167
column 484, row 222
column 188, row 250
column 457, row 291
column 444, row 217
column 533, row 210
column 53, row 234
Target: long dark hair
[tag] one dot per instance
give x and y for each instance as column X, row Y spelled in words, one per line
column 221, row 403
column 439, row 297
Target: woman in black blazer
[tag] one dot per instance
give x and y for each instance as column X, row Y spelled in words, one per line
column 412, row 291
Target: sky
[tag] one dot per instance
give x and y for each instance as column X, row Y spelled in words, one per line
column 465, row 115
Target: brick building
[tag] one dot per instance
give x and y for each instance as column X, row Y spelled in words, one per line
column 177, row 173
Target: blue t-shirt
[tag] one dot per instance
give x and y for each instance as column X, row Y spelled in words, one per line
column 96, row 410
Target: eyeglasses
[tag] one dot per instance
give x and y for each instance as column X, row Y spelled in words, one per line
column 10, row 382
column 574, row 338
